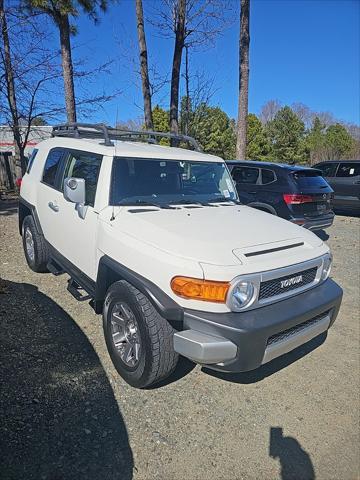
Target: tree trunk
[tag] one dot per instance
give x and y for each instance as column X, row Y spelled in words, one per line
column 176, row 66
column 144, row 66
column 67, row 66
column 244, row 43
column 187, row 91
column 11, row 93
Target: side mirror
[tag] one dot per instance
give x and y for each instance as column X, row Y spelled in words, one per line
column 74, row 192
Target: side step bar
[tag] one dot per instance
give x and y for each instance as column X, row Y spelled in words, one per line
column 54, row 268
column 77, row 291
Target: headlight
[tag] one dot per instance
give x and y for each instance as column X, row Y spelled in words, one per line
column 241, row 294
column 327, row 262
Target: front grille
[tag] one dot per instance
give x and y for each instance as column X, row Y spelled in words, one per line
column 278, row 337
column 278, row 286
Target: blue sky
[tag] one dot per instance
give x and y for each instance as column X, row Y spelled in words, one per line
column 300, row 51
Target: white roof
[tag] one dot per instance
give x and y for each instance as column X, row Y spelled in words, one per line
column 130, row 149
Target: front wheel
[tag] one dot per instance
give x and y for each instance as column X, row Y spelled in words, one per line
column 139, row 340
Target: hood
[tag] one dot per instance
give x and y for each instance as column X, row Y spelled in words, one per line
column 217, row 235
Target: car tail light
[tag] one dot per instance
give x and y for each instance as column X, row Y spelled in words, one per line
column 297, row 198
column 18, row 182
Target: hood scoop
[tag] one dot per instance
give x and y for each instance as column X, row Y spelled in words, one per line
column 256, row 253
column 272, row 250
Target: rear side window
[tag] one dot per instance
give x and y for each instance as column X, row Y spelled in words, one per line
column 87, row 166
column 328, row 169
column 246, row 175
column 309, row 178
column 267, row 176
column 348, row 169
column 52, row 165
column 31, row 160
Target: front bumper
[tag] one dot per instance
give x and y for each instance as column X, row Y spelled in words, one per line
column 319, row 223
column 238, row 342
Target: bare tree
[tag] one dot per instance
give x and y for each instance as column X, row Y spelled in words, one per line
column 244, row 43
column 193, row 24
column 269, row 110
column 63, row 24
column 327, row 118
column 202, row 88
column 59, row 12
column 199, row 89
column 353, row 129
column 303, row 112
column 144, row 65
column 30, row 77
column 9, row 82
column 27, row 73
column 158, row 79
column 180, row 18
column 186, row 113
column 131, row 124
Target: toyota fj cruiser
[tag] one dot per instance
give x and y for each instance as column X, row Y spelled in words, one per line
column 155, row 238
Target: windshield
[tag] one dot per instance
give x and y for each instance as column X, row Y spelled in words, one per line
column 142, row 181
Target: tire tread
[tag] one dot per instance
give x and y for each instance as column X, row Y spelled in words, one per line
column 160, row 336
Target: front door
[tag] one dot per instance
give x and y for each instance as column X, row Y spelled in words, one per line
column 72, row 236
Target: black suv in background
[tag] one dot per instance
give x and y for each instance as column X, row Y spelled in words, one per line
column 344, row 178
column 298, row 194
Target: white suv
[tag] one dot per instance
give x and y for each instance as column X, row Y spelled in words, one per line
column 156, row 239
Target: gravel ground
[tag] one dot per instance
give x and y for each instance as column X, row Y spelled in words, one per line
column 65, row 413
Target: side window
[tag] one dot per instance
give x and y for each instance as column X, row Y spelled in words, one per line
column 86, row 166
column 267, row 176
column 31, row 160
column 246, row 175
column 328, row 169
column 348, row 169
column 52, row 165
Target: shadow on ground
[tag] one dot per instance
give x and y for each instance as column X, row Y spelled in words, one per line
column 269, row 368
column 8, row 207
column 59, row 417
column 295, row 462
column 347, row 213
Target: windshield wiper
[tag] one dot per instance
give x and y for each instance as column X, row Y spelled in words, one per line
column 186, row 202
column 144, row 203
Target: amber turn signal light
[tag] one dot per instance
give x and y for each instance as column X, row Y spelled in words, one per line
column 197, row 289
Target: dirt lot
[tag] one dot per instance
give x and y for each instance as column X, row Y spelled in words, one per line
column 65, row 414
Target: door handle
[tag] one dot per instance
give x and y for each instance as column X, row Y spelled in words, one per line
column 252, row 193
column 357, row 182
column 53, row 206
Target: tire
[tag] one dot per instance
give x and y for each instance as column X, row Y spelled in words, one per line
column 37, row 256
column 147, row 356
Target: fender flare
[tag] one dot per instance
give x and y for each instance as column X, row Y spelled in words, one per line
column 110, row 271
column 25, row 208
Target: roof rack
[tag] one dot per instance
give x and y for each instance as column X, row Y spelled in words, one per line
column 100, row 130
